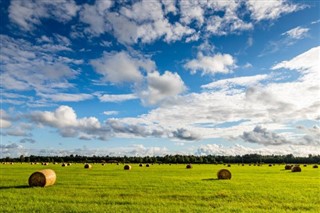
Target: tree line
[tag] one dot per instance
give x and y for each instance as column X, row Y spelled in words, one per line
column 173, row 159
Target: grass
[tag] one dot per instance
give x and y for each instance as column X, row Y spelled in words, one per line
column 161, row 188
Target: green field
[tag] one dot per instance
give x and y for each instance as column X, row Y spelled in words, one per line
column 161, row 188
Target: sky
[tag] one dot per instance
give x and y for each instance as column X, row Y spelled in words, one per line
column 158, row 77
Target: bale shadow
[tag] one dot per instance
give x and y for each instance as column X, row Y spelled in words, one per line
column 14, row 187
column 210, row 179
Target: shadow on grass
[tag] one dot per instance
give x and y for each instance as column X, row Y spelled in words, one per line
column 14, row 187
column 210, row 179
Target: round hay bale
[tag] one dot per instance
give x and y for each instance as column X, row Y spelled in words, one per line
column 147, row 165
column 270, row 165
column 305, row 165
column 140, row 165
column 127, row 167
column 103, row 164
column 288, row 167
column 296, row 169
column 229, row 165
column 63, row 165
column 189, row 166
column 224, row 174
column 46, row 177
column 243, row 164
column 69, row 164
column 87, row 166
column 315, row 167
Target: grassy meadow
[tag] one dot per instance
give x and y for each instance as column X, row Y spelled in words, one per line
column 161, row 188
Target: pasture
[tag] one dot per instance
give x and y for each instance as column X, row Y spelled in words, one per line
column 161, row 188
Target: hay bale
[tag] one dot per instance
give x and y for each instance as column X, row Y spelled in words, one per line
column 46, row 177
column 270, row 165
column 305, row 165
column 296, row 169
column 224, row 174
column 140, row 165
column 87, row 166
column 288, row 167
column 315, row 167
column 64, row 164
column 189, row 166
column 103, row 164
column 147, row 165
column 229, row 165
column 127, row 167
column 69, row 164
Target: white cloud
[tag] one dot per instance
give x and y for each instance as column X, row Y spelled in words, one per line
column 65, row 120
column 224, row 114
column 67, row 97
column 270, row 10
column 28, row 14
column 4, row 119
column 218, row 63
column 161, row 87
column 244, row 81
column 229, row 23
column 121, row 67
column 117, row 98
column 169, row 6
column 29, row 66
column 94, row 16
column 191, row 10
column 110, row 112
column 296, row 33
column 214, row 149
column 261, row 135
column 306, row 63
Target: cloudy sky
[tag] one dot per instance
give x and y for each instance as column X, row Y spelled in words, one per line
column 156, row 77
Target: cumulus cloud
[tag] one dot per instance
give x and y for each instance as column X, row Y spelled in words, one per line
column 94, row 16
column 28, row 14
column 117, row 98
column 184, row 134
column 311, row 135
column 66, row 97
column 244, row 81
column 65, row 120
column 120, row 67
column 270, row 10
column 161, row 87
column 110, row 112
column 27, row 140
column 214, row 149
column 28, row 66
column 4, row 119
column 12, row 150
column 147, row 21
column 256, row 104
column 305, row 63
column 262, row 136
column 296, row 33
column 218, row 63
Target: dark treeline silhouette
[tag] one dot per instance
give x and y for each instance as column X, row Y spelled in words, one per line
column 180, row 159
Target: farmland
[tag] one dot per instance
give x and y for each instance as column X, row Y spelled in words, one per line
column 161, row 188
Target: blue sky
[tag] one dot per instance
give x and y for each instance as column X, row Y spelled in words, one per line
column 158, row 77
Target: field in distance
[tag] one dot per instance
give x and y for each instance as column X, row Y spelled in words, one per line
column 161, row 188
